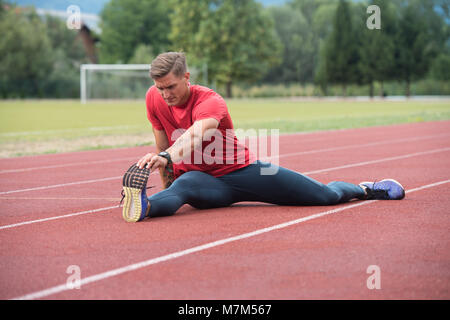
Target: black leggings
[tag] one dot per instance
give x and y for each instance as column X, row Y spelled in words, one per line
column 285, row 187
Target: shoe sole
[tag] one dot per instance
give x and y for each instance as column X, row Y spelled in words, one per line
column 132, row 208
column 134, row 183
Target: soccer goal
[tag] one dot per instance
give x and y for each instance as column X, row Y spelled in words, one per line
column 122, row 81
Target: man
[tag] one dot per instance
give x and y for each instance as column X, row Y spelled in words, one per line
column 185, row 118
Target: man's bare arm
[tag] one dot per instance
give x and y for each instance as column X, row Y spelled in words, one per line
column 192, row 139
column 182, row 148
column 162, row 143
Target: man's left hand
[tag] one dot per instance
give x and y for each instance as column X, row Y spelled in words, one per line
column 157, row 162
column 152, row 161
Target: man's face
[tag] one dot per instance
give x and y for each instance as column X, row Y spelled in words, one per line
column 173, row 89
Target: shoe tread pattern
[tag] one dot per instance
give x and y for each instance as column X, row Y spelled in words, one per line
column 136, row 177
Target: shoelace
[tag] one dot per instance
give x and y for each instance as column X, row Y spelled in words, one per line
column 123, row 194
column 376, row 194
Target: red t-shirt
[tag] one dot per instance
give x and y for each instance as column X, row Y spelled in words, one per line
column 220, row 155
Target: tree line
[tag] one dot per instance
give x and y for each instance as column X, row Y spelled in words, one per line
column 412, row 42
column 325, row 42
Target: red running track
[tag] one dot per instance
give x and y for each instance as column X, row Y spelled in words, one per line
column 62, row 210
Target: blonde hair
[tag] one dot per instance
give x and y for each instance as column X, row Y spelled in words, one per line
column 168, row 62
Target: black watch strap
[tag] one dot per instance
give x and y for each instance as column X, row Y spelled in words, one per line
column 166, row 155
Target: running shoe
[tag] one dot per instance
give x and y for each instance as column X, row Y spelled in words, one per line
column 136, row 205
column 387, row 189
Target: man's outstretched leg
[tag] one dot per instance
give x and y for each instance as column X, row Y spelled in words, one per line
column 195, row 188
column 287, row 187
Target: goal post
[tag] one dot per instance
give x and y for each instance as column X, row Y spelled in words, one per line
column 123, row 81
column 86, row 68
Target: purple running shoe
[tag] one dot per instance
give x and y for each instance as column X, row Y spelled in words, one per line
column 386, row 189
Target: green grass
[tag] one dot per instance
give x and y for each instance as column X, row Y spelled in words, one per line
column 33, row 127
column 44, row 119
column 295, row 116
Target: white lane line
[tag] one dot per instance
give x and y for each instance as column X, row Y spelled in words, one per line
column 64, row 184
column 306, row 173
column 112, row 273
column 371, row 144
column 379, row 160
column 57, row 217
column 271, row 157
column 310, row 172
column 61, row 185
column 66, row 165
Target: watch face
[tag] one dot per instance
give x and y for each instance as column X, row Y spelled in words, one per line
column 164, row 154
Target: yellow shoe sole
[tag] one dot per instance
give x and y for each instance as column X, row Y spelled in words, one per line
column 132, row 207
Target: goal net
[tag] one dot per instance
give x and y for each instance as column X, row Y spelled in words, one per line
column 123, row 81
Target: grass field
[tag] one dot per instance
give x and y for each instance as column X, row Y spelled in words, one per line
column 50, row 126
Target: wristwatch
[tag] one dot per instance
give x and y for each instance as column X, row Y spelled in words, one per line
column 166, row 155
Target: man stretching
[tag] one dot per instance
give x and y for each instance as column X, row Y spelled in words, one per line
column 186, row 119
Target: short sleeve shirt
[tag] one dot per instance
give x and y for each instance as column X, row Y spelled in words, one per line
column 221, row 152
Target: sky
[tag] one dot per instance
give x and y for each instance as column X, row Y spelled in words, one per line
column 91, row 6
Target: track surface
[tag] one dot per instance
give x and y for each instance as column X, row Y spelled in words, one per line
column 62, row 210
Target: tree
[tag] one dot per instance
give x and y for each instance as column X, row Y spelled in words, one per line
column 320, row 75
column 298, row 43
column 440, row 69
column 185, row 19
column 67, row 54
column 413, row 50
column 142, row 55
column 301, row 25
column 64, row 39
column 25, row 53
column 128, row 23
column 236, row 39
column 341, row 50
column 377, row 50
column 318, row 15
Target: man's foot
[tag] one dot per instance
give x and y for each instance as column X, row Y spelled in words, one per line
column 136, row 205
column 387, row 189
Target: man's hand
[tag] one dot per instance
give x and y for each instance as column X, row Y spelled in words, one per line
column 152, row 161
